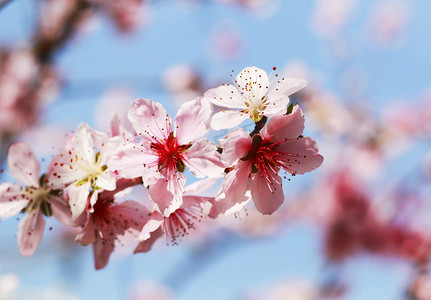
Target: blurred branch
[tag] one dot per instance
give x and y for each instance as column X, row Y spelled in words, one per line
column 45, row 48
column 3, row 3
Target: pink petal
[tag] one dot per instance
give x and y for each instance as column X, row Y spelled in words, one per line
column 87, row 236
column 304, row 156
column 284, row 127
column 235, row 185
column 200, row 186
column 192, row 121
column 227, row 119
column 30, row 232
column 131, row 214
column 102, row 250
column 145, row 246
column 149, row 119
column 267, row 195
column 189, row 200
column 235, row 145
column 134, row 161
column 226, row 95
column 62, row 212
column 167, row 193
column 11, row 200
column 203, row 159
column 23, row 164
column 121, row 128
column 287, row 86
column 78, row 198
column 154, row 222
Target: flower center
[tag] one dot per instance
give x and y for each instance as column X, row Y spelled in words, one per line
column 170, row 154
column 39, row 197
column 177, row 225
column 93, row 170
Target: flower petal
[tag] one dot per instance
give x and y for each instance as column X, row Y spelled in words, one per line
column 236, row 145
column 267, row 195
column 287, row 86
column 61, row 211
column 192, row 121
column 102, row 250
column 235, row 186
column 226, row 95
column 303, row 155
column 23, row 164
column 83, row 143
column 146, row 245
column 105, row 181
column 200, row 186
column 153, row 223
column 253, row 83
column 167, row 193
column 134, row 161
column 11, row 200
column 87, row 236
column 203, row 159
column 227, row 119
column 284, row 127
column 149, row 119
column 30, row 232
column 78, row 198
column 277, row 106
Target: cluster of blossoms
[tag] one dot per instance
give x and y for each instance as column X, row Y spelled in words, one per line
column 87, row 179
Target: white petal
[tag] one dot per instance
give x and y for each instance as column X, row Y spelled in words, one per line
column 287, row 86
column 226, row 95
column 253, row 83
column 227, row 119
column 11, row 201
column 78, row 198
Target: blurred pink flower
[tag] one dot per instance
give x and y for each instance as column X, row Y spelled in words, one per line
column 38, row 198
column 388, row 22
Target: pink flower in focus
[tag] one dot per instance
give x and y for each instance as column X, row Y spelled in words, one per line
column 109, row 220
column 280, row 145
column 80, row 168
column 164, row 152
column 251, row 96
column 36, row 198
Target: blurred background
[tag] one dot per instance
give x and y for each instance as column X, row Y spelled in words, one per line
column 357, row 228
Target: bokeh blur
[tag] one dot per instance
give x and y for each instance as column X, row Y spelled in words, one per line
column 356, row 228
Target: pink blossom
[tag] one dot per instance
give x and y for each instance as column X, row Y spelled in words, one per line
column 80, row 168
column 163, row 150
column 251, row 96
column 36, row 198
column 108, row 221
column 280, row 145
